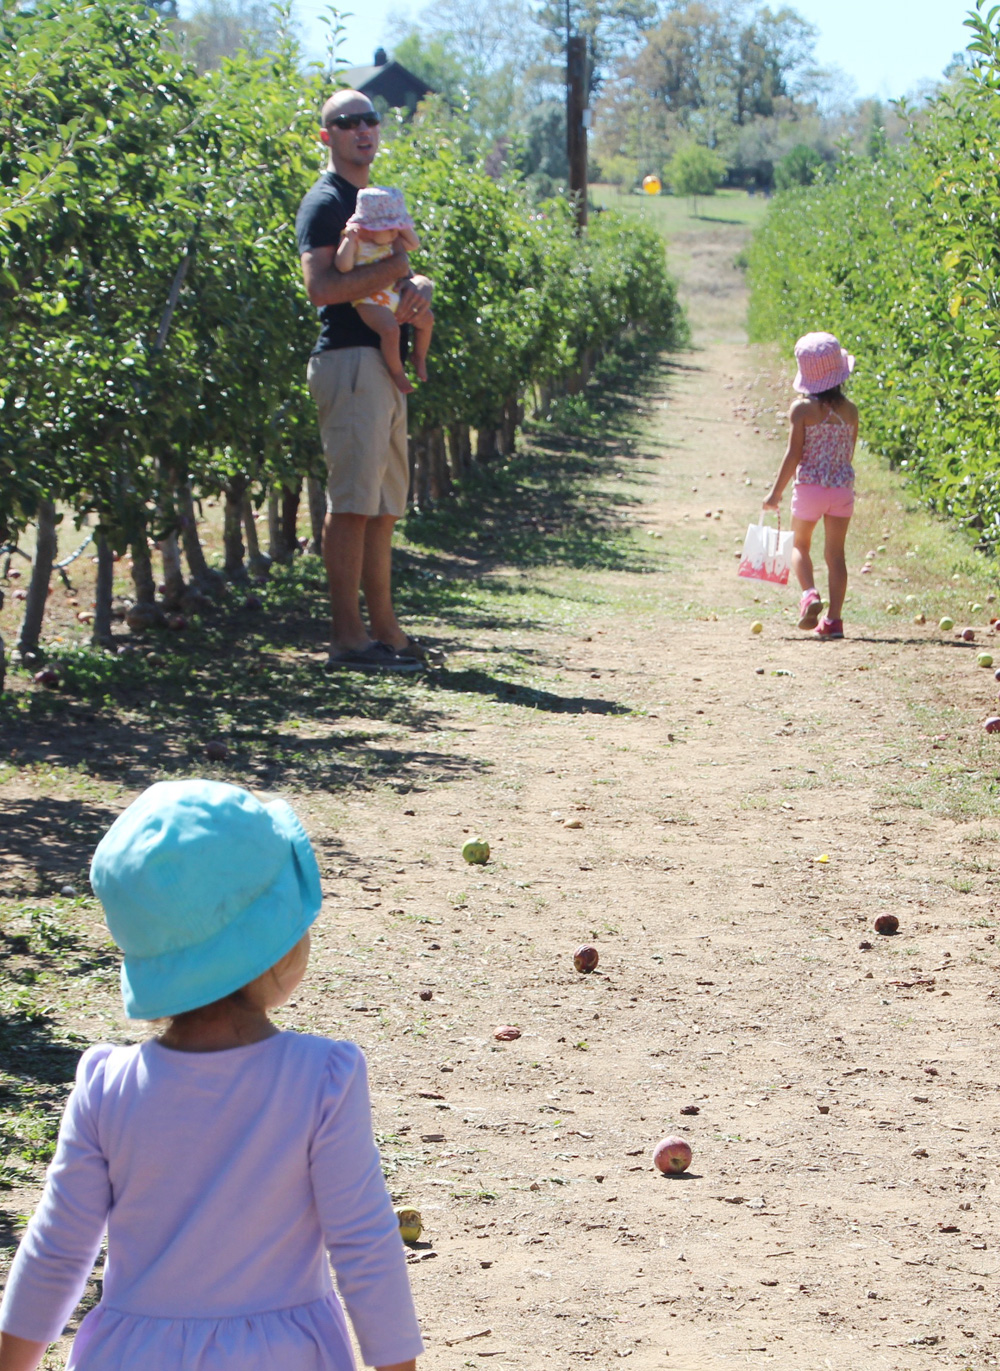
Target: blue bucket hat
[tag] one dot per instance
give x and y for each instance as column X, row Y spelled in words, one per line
column 204, row 888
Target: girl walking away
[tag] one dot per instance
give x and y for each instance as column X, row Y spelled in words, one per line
column 223, row 1157
column 823, row 432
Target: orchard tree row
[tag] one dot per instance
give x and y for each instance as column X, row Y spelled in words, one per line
column 901, row 259
column 155, row 325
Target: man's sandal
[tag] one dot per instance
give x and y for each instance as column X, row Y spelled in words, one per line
column 375, row 657
column 429, row 655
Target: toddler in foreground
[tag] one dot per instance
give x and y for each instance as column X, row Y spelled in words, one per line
column 823, row 432
column 380, row 218
column 223, row 1157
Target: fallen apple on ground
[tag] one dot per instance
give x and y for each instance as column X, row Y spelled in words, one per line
column 886, row 923
column 506, row 1033
column 586, row 958
column 756, row 626
column 476, row 851
column 411, row 1225
column 48, row 676
column 216, row 751
column 968, row 635
column 984, row 659
column 672, row 1156
column 992, row 724
column 946, row 624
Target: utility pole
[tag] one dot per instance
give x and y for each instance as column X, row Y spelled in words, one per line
column 577, row 119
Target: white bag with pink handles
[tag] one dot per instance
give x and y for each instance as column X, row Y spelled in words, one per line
column 767, row 553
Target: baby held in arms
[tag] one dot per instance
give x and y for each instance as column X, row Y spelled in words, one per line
column 378, row 220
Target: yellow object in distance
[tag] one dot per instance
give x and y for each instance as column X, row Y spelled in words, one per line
column 410, row 1224
column 825, row 857
column 651, row 185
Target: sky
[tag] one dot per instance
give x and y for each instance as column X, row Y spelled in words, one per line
column 885, row 47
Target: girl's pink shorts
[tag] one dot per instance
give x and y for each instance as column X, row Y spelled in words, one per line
column 810, row 503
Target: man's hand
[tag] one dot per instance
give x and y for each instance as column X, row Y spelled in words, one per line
column 415, row 297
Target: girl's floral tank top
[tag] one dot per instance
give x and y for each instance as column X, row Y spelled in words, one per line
column 827, row 453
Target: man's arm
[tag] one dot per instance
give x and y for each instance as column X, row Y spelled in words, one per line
column 325, row 285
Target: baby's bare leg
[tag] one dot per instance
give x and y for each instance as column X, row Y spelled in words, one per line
column 422, row 330
column 382, row 321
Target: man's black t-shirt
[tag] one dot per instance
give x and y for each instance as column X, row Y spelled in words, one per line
column 321, row 219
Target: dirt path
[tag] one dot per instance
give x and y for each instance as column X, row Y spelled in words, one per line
column 840, row 1206
column 839, row 1100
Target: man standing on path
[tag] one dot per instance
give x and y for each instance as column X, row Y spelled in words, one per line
column 362, row 414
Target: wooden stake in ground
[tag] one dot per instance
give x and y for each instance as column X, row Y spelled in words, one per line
column 576, row 133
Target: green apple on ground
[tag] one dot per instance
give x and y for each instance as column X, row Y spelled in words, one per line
column 411, row 1225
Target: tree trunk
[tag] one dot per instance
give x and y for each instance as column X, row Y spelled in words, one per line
column 232, row 530
column 41, row 574
column 438, row 474
column 145, row 613
column 207, row 581
column 421, row 484
column 260, row 562
column 486, row 444
column 275, row 539
column 512, row 417
column 173, row 573
column 290, row 497
column 317, row 513
column 101, row 636
column 459, row 449
column 142, row 571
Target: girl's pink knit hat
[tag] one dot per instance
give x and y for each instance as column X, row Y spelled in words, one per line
column 823, row 363
column 380, row 207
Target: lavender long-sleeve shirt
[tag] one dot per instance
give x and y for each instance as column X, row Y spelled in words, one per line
column 223, row 1180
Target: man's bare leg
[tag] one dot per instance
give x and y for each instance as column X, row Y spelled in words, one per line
column 376, row 581
column 344, row 542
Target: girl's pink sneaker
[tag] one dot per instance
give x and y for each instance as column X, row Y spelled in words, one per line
column 810, row 608
column 829, row 628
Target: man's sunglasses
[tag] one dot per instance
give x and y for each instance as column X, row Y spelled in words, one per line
column 352, row 121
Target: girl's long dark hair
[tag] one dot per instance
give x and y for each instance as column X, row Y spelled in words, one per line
column 832, row 396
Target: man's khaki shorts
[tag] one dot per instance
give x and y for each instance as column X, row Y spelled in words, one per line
column 362, row 421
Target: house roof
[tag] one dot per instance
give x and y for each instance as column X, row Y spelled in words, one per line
column 396, row 84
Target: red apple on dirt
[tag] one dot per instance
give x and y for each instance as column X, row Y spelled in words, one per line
column 506, row 1033
column 968, row 635
column 48, row 676
column 992, row 724
column 586, row 958
column 177, row 622
column 886, row 923
column 216, row 750
column 672, row 1156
